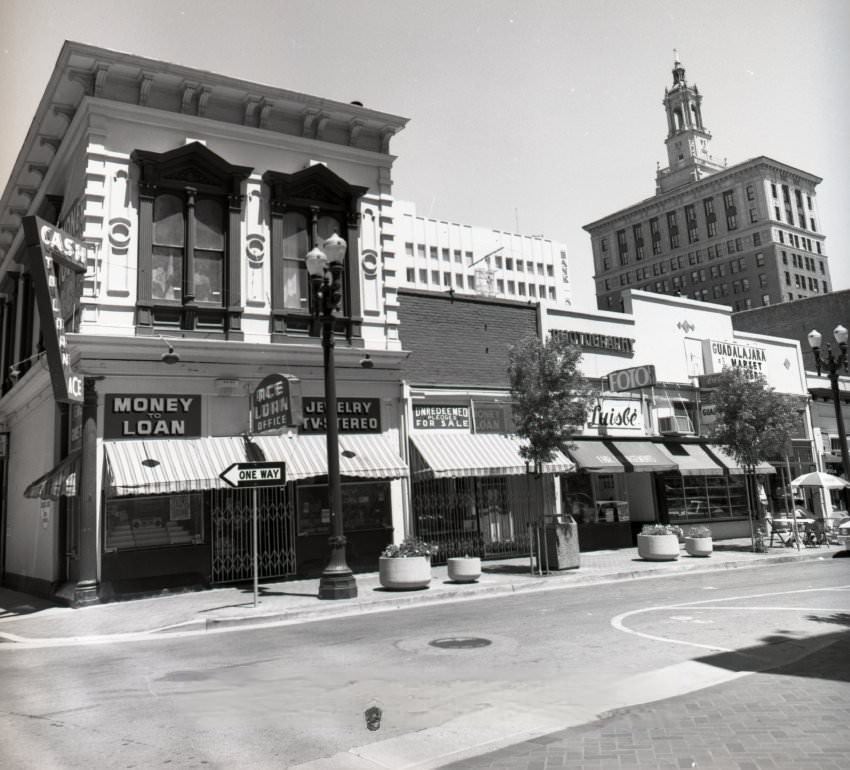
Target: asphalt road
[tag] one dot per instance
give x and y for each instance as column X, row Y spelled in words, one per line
column 451, row 680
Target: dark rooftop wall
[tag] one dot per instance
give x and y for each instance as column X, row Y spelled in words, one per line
column 460, row 341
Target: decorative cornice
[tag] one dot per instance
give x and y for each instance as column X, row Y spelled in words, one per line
column 203, row 99
column 66, row 111
column 187, row 98
column 52, row 142
column 145, row 83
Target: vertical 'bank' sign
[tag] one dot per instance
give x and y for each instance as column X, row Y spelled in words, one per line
column 48, row 245
column 276, row 403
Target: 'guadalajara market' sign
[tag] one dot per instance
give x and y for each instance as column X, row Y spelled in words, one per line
column 47, row 246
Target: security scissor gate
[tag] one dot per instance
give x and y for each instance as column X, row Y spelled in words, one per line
column 231, row 518
column 486, row 516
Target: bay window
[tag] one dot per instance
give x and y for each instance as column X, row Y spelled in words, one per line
column 190, row 211
column 308, row 207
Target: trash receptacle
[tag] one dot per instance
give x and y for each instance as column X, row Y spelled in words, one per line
column 562, row 551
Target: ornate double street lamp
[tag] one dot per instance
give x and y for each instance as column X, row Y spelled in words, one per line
column 833, row 364
column 325, row 267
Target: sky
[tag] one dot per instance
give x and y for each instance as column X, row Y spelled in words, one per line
column 534, row 116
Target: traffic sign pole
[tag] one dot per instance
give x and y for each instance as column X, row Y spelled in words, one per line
column 255, row 546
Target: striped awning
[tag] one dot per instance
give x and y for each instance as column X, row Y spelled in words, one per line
column 361, row 455
column 455, row 455
column 730, row 464
column 60, row 481
column 169, row 466
column 691, row 459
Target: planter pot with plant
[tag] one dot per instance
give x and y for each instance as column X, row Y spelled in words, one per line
column 464, row 569
column 698, row 541
column 406, row 566
column 658, row 542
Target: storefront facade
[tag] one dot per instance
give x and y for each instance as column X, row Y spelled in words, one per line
column 643, row 454
column 173, row 222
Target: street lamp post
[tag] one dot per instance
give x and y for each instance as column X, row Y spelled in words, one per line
column 325, row 267
column 833, row 364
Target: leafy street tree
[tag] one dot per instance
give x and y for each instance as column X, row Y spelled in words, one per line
column 753, row 422
column 549, row 395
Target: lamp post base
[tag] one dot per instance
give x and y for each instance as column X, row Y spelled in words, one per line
column 337, row 585
column 337, row 581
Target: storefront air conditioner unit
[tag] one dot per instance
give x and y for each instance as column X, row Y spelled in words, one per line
column 674, row 425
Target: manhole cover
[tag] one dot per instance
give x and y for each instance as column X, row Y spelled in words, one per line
column 459, row 642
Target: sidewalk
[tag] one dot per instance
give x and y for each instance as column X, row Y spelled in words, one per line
column 27, row 619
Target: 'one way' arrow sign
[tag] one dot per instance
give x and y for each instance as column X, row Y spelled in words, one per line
column 242, row 475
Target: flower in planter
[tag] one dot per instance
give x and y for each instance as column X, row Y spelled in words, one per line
column 660, row 529
column 410, row 546
column 698, row 531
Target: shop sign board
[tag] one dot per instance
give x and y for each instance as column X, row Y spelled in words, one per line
column 624, row 346
column 140, row 415
column 276, row 403
column 749, row 359
column 491, row 417
column 708, row 414
column 441, row 416
column 48, row 246
column 632, row 379
column 623, row 414
column 259, row 474
column 354, row 415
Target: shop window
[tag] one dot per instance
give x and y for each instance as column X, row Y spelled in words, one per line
column 190, row 209
column 306, row 208
column 704, row 498
column 154, row 522
column 366, row 506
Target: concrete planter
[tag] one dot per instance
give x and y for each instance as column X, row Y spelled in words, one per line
column 699, row 546
column 658, row 547
column 464, row 569
column 404, row 573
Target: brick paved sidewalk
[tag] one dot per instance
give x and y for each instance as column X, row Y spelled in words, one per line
column 795, row 717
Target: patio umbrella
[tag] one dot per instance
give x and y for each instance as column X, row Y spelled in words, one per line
column 819, row 479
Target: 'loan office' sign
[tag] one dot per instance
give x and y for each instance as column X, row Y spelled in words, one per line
column 354, row 415
column 48, row 246
column 151, row 416
column 276, row 403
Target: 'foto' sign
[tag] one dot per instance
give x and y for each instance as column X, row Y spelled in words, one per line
column 632, row 379
column 276, row 403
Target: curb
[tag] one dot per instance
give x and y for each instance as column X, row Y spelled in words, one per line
column 568, row 579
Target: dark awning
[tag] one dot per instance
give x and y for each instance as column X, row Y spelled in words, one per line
column 732, row 466
column 642, row 456
column 692, row 459
column 61, row 481
column 594, row 457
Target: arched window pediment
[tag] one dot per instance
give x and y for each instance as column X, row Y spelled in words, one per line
column 193, row 165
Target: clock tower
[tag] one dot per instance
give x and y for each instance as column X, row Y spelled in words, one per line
column 687, row 138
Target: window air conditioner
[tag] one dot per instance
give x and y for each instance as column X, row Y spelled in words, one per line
column 674, row 425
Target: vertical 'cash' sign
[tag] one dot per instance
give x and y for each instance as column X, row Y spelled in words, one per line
column 48, row 245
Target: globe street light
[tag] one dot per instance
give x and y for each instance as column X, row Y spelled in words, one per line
column 833, row 363
column 325, row 267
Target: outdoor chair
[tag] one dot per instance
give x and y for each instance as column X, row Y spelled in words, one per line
column 815, row 534
column 781, row 531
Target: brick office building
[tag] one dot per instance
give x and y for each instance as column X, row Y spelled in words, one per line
column 745, row 235
column 795, row 320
